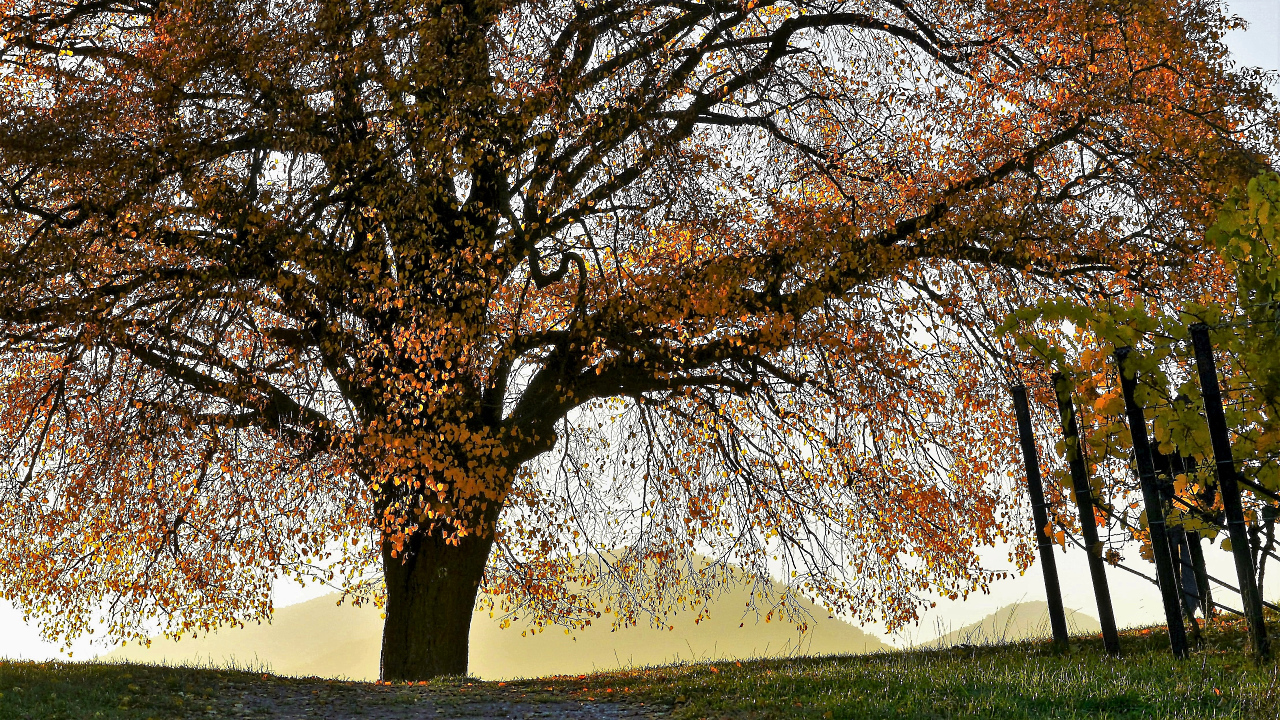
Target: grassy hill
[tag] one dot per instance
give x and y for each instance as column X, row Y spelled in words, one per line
column 321, row 638
column 1019, row 681
column 1019, row 621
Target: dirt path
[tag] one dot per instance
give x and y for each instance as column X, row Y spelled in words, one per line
column 281, row 699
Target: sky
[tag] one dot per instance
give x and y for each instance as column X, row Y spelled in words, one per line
column 1259, row 45
column 1136, row 601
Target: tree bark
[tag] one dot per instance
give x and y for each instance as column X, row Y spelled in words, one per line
column 431, row 594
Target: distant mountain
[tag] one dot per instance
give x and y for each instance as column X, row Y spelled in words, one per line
column 322, row 638
column 1019, row 621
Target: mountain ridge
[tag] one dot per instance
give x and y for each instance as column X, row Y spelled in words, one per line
column 321, row 638
column 1022, row 620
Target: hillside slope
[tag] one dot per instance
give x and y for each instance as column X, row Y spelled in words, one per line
column 1024, row 681
column 319, row 637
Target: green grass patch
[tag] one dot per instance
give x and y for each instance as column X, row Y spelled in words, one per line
column 1018, row 680
column 83, row 691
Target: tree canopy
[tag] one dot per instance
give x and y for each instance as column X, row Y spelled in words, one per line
column 469, row 289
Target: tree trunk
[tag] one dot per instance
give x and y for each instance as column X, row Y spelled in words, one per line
column 431, row 594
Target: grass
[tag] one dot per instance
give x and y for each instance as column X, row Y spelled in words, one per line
column 80, row 691
column 1017, row 680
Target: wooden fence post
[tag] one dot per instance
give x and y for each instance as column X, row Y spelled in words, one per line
column 1207, row 369
column 1203, row 588
column 1170, row 593
column 1178, row 550
column 1084, row 505
column 1053, row 590
column 1204, row 592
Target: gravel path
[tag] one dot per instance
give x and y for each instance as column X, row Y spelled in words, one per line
column 312, row 698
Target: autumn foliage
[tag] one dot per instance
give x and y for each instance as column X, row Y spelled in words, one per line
column 513, row 294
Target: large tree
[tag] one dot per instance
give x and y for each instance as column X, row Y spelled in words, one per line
column 305, row 286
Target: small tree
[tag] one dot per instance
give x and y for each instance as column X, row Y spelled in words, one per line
column 1242, row 311
column 310, row 286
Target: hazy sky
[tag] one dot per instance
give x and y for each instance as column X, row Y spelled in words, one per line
column 1137, row 602
column 1260, row 44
